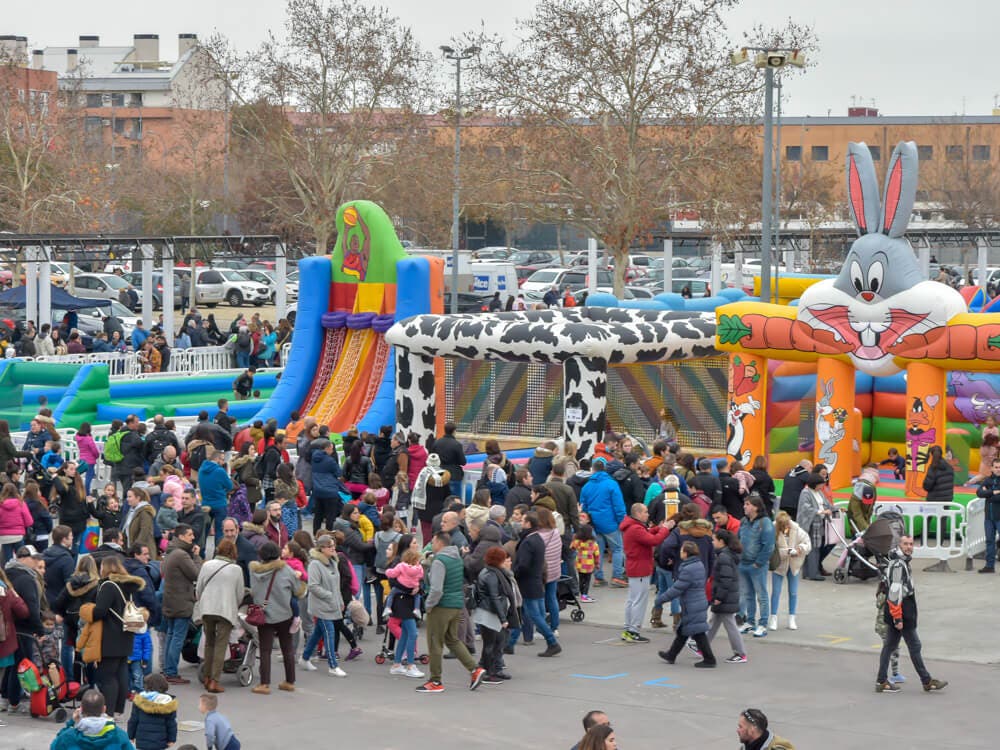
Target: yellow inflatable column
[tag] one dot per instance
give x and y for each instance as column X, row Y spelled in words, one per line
column 926, row 420
column 746, row 417
column 834, row 406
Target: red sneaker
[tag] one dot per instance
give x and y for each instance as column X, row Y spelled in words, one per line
column 431, row 687
column 477, row 678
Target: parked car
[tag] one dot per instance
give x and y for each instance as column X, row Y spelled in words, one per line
column 536, row 285
column 91, row 319
column 102, row 286
column 267, row 278
column 531, row 260
column 237, row 288
column 493, row 253
column 468, row 303
column 180, row 293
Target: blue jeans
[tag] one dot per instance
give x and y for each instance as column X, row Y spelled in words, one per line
column 526, row 629
column 8, row 552
column 777, row 581
column 614, row 543
column 552, row 604
column 406, row 646
column 324, row 629
column 366, row 591
column 992, row 529
column 136, row 673
column 753, row 593
column 535, row 610
column 67, row 654
column 456, row 489
column 242, row 360
column 176, row 628
column 664, row 580
column 217, row 513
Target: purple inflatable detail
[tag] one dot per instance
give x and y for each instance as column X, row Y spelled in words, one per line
column 359, row 321
column 383, row 323
column 334, row 319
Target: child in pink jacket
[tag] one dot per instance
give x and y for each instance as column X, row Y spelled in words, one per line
column 405, row 576
column 15, row 520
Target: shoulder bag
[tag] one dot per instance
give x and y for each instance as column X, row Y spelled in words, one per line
column 256, row 615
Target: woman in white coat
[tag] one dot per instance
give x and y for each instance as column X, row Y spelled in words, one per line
column 792, row 544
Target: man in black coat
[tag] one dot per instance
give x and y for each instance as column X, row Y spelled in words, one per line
column 158, row 439
column 707, row 482
column 795, row 482
column 133, row 453
column 632, row 487
column 529, row 572
column 452, row 456
column 137, row 564
column 59, row 562
column 246, row 553
column 111, row 546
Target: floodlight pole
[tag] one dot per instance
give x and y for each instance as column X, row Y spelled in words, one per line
column 766, row 188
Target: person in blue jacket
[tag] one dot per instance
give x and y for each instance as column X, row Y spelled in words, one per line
column 215, row 485
column 326, row 485
column 601, row 497
column 689, row 587
column 757, row 538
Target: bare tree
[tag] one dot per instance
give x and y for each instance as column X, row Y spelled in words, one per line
column 325, row 103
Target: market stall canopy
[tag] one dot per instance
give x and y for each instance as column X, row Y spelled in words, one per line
column 61, row 299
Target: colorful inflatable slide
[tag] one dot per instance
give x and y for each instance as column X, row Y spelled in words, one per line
column 341, row 368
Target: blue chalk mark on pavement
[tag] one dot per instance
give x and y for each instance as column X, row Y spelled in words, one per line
column 662, row 682
column 600, row 676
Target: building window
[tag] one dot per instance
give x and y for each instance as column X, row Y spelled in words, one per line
column 876, row 152
column 925, row 153
column 118, row 100
column 93, row 100
column 820, row 153
column 793, row 153
column 119, row 125
column 954, row 153
column 980, row 153
column 135, row 100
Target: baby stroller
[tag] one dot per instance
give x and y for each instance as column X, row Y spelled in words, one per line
column 387, row 654
column 47, row 689
column 878, row 539
column 251, row 650
column 566, row 597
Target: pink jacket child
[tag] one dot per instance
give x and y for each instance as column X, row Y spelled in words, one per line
column 296, row 564
column 15, row 518
column 406, row 576
column 89, row 451
column 174, row 487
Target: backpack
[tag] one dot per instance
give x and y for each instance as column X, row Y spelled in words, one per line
column 197, row 457
column 132, row 618
column 239, row 506
column 701, row 500
column 113, row 447
column 382, row 549
column 157, row 441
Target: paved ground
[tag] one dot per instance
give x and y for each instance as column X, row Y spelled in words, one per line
column 816, row 684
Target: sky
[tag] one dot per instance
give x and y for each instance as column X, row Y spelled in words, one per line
column 920, row 57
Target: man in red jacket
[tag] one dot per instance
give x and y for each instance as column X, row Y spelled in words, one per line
column 639, row 543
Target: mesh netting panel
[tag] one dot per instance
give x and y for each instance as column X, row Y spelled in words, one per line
column 525, row 400
column 504, row 398
column 693, row 391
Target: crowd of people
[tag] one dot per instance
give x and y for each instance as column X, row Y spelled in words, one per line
column 251, row 340
column 208, row 530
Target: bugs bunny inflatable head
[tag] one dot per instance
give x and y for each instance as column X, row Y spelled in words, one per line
column 880, row 296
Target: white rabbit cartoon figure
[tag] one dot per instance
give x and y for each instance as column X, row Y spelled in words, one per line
column 830, row 427
column 880, row 298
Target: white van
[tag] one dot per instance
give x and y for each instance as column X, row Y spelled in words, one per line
column 491, row 276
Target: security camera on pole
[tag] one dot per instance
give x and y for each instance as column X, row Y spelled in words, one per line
column 770, row 60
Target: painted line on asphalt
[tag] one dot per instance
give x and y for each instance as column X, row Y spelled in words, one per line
column 600, row 676
column 834, row 639
column 662, row 682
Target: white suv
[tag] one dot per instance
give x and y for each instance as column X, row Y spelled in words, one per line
column 231, row 286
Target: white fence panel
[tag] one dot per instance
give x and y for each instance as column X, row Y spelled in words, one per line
column 936, row 527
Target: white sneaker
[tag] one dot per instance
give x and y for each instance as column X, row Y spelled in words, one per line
column 760, row 632
column 792, row 625
column 746, row 628
column 307, row 665
column 337, row 672
column 772, row 622
column 397, row 669
column 412, row 671
column 556, row 633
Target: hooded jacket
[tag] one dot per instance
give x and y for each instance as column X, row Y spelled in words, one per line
column 602, row 498
column 446, row 579
column 325, row 601
column 354, row 545
column 540, row 465
column 698, row 531
column 146, row 597
column 180, row 572
column 91, row 733
column 80, row 589
column 791, row 488
column 452, row 456
column 286, row 585
column 153, row 722
column 326, row 482
column 632, row 487
column 15, row 518
column 28, row 586
column 689, row 587
column 219, row 589
column 59, row 566
column 489, row 537
column 417, row 461
column 214, row 484
column 139, row 528
column 12, row 608
column 639, row 542
column 254, row 534
column 796, row 538
column 529, row 565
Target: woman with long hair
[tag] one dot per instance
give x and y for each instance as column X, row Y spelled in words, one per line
column 69, row 495
column 80, row 589
column 12, row 609
column 725, row 601
column 792, row 544
column 15, row 520
column 939, row 482
column 8, row 451
column 116, row 588
column 599, row 737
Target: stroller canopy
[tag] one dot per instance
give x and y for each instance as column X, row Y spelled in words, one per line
column 884, row 533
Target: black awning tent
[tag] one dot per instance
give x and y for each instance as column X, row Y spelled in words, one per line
column 61, row 299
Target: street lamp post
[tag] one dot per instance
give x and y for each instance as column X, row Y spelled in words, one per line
column 457, row 56
column 770, row 60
